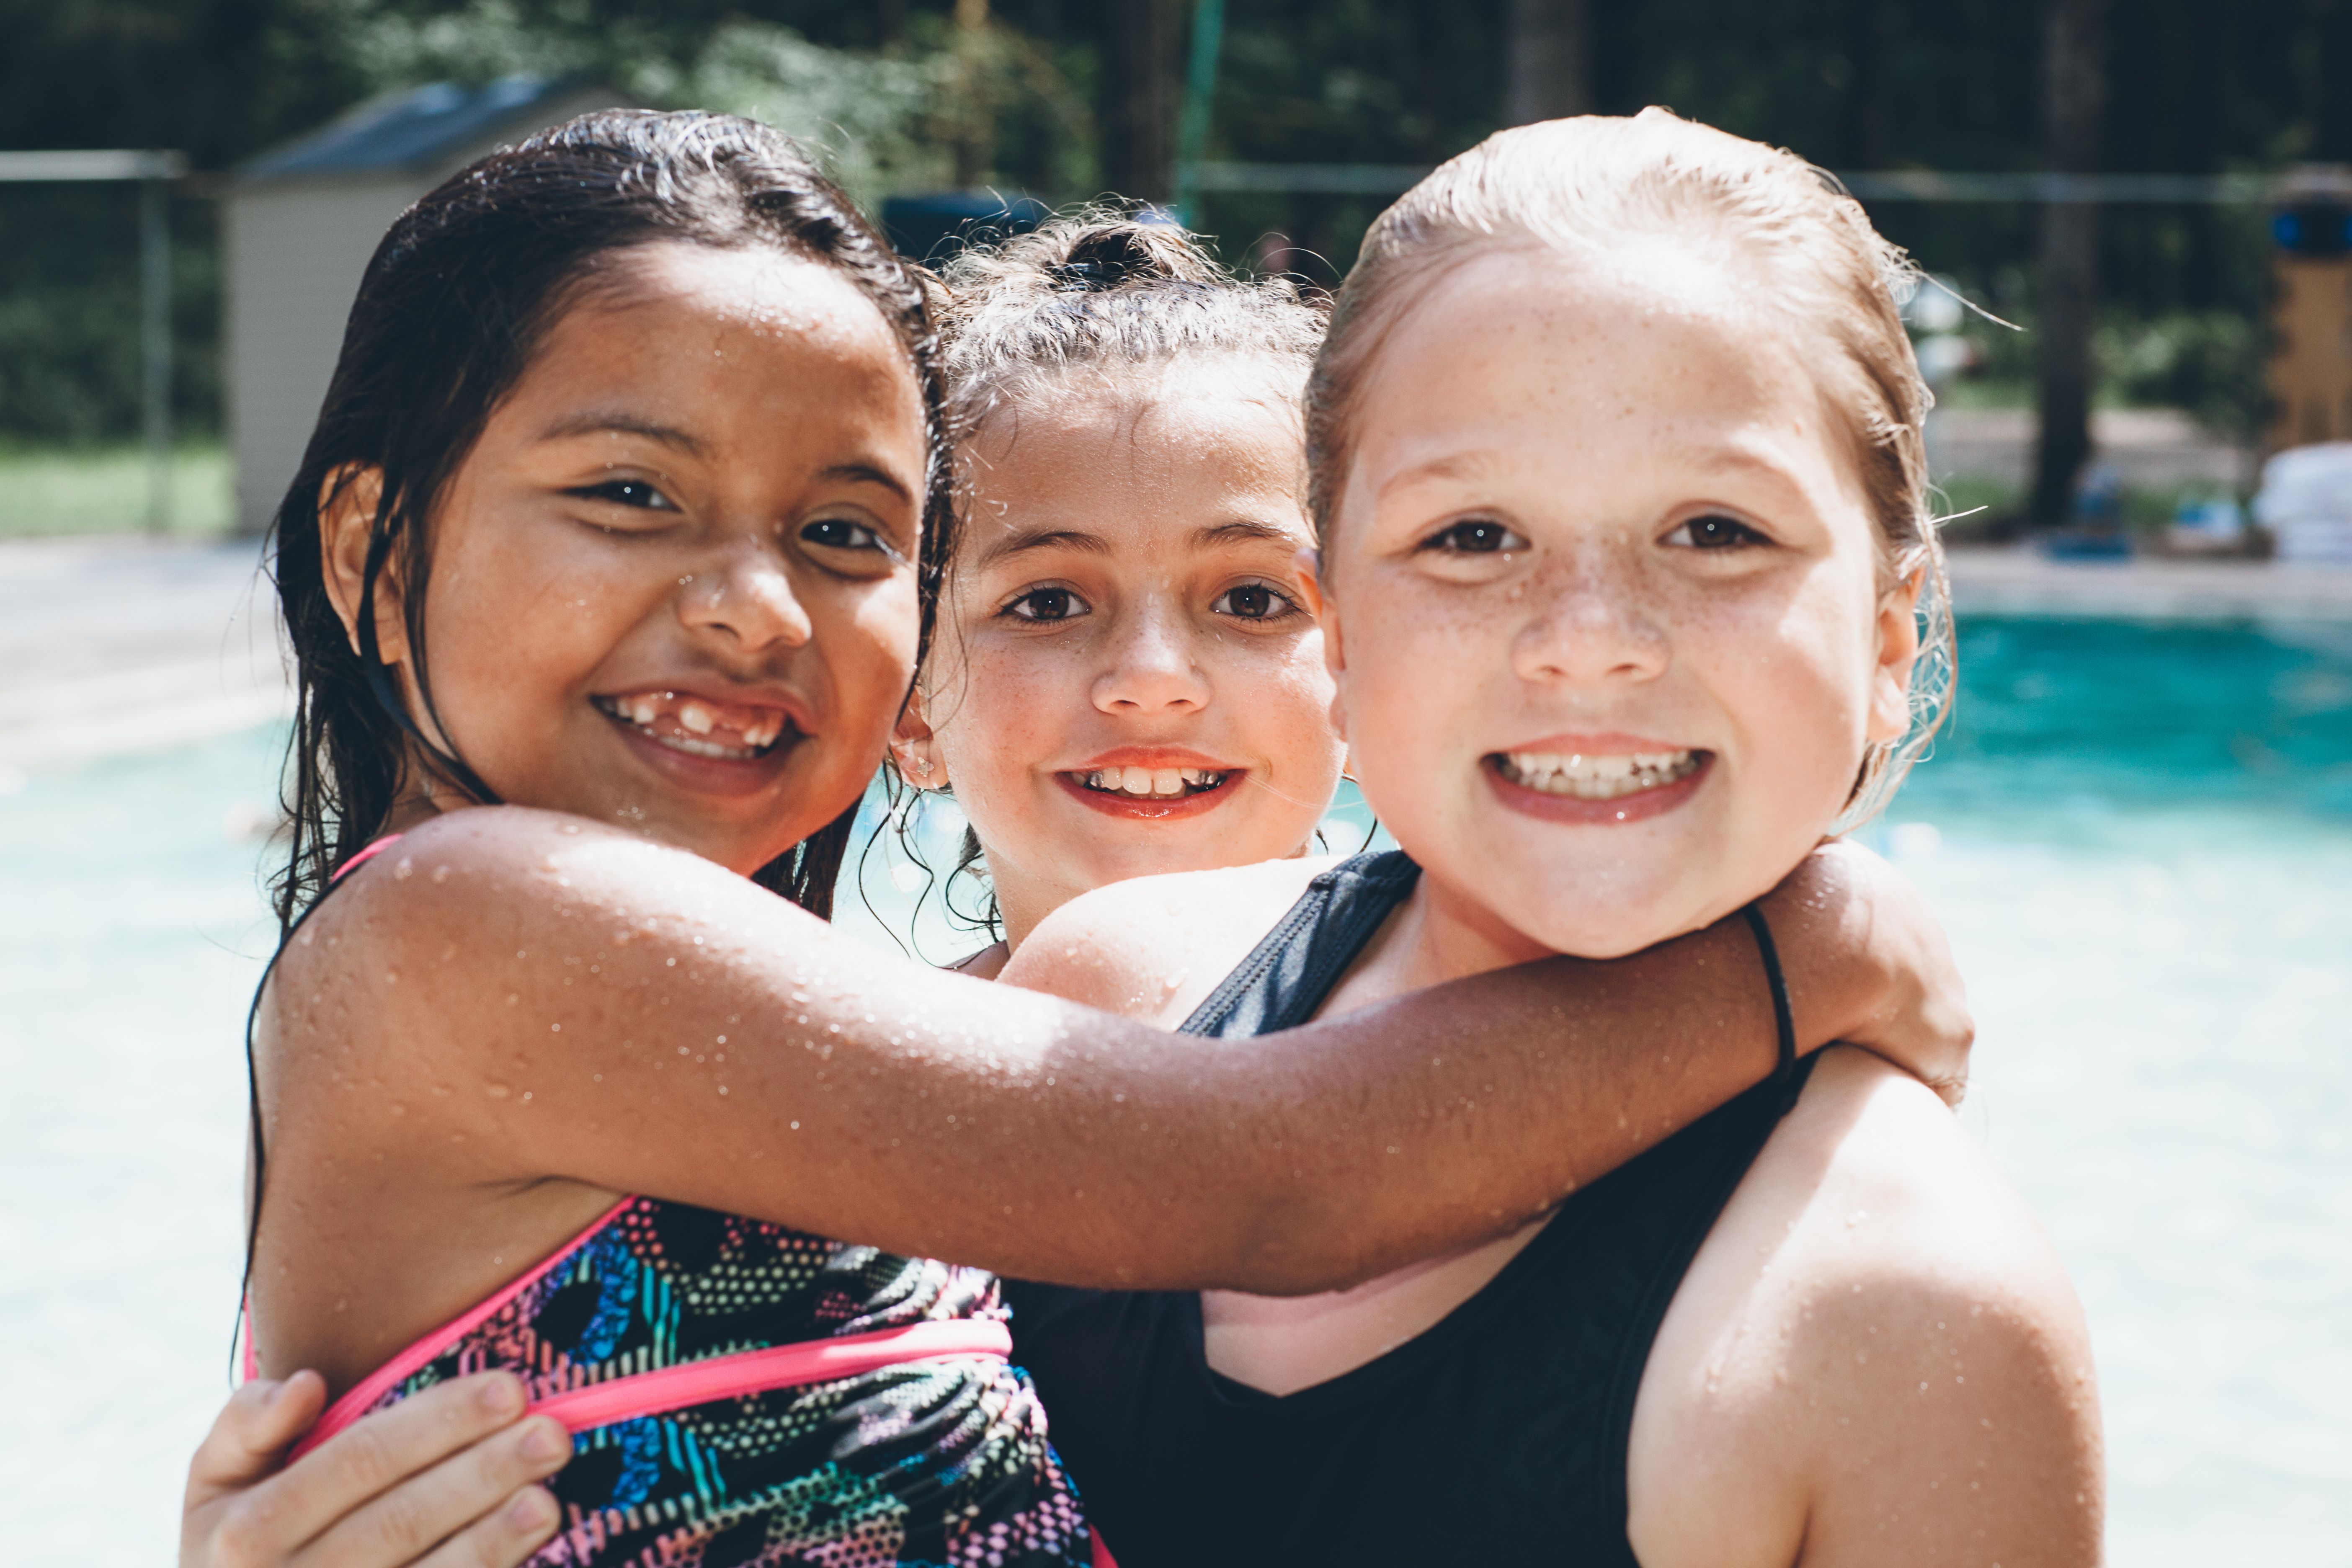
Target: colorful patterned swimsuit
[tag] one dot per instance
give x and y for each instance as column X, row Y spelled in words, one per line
column 740, row 1393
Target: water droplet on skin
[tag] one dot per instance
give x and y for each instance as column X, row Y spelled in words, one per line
column 404, row 870
column 496, row 1091
column 440, row 874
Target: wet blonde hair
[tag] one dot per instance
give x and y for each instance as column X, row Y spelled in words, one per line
column 1585, row 187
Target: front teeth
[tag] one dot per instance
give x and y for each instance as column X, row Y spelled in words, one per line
column 698, row 722
column 1152, row 782
column 1597, row 778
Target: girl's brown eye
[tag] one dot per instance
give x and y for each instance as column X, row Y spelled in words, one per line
column 1714, row 533
column 635, row 493
column 1473, row 536
column 1253, row 602
column 840, row 533
column 1046, row 605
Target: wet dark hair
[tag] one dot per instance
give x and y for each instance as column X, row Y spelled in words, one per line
column 453, row 304
column 1106, row 286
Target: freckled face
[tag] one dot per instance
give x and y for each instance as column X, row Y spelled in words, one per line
column 1127, row 681
column 672, row 585
column 1603, row 599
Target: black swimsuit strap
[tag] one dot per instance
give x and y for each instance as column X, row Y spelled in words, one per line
column 1286, row 977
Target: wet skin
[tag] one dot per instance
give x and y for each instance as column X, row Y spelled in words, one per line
column 1602, row 509
column 469, row 1049
column 708, row 487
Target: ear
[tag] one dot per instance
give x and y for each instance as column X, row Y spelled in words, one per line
column 915, row 746
column 348, row 500
column 1898, row 650
column 1326, row 617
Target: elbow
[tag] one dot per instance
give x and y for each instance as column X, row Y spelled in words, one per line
column 1294, row 1244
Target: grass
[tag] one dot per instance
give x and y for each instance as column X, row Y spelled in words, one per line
column 52, row 490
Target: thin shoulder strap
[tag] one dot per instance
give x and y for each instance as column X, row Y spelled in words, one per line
column 241, row 1349
column 1286, row 977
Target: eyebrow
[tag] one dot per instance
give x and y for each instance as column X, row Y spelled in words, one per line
column 581, row 425
column 1245, row 532
column 866, row 473
column 1460, row 465
column 1043, row 539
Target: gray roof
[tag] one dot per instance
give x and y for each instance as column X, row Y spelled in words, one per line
column 414, row 129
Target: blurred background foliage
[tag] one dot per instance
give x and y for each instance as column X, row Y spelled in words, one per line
column 1064, row 101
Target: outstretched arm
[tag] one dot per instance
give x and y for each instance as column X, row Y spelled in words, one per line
column 548, row 998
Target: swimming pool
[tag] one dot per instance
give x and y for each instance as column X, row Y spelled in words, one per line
column 2140, row 837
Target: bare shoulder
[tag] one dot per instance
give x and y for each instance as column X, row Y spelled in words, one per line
column 1875, row 1355
column 1153, row 948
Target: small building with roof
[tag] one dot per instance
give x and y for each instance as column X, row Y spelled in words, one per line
column 299, row 222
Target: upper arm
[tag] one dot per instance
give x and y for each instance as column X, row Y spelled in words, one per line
column 1875, row 1358
column 1152, row 947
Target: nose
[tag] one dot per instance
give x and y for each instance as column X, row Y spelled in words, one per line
column 745, row 599
column 1591, row 629
column 1151, row 668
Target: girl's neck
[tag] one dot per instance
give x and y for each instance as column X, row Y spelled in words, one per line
column 1440, row 933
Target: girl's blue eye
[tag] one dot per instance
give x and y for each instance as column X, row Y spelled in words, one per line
column 1474, row 536
column 840, row 533
column 635, row 493
column 1715, row 533
column 1046, row 605
column 1255, row 602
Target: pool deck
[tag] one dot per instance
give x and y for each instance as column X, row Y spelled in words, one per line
column 116, row 645
column 2023, row 581
column 110, row 646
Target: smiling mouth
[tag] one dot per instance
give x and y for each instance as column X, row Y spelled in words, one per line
column 1611, row 777
column 725, row 731
column 1150, row 783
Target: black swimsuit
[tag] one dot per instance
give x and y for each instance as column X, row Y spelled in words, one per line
column 1498, row 1437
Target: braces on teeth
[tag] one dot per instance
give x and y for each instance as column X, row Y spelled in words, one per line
column 1597, row 778
column 1152, row 782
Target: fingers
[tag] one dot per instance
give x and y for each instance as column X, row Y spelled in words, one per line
column 355, row 1467
column 480, row 1503
column 258, row 1424
column 521, row 1525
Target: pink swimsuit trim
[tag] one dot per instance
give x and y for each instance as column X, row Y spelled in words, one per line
column 675, row 1387
column 363, row 1396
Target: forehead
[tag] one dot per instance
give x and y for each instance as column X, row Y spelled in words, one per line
column 1599, row 368
column 1138, row 449
column 762, row 344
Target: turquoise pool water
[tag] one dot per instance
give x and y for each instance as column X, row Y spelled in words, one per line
column 2140, row 837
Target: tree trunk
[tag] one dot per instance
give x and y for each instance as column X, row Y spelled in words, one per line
column 1548, row 70
column 1141, row 91
column 2074, row 87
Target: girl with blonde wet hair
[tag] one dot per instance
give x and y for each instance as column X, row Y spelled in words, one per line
column 1623, row 546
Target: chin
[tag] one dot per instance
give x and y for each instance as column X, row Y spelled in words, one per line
column 1597, row 910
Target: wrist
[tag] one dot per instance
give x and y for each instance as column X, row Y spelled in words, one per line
column 1835, row 980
